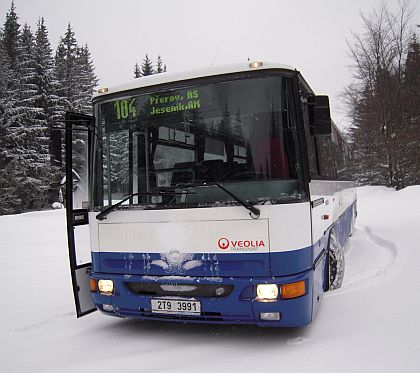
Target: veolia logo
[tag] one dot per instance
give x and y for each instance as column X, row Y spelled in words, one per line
column 240, row 245
column 223, row 243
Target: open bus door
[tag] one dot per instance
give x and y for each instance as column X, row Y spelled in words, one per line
column 78, row 130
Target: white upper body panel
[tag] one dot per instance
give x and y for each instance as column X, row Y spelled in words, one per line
column 284, row 227
column 176, row 76
column 337, row 197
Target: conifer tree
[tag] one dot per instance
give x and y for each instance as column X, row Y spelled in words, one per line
column 76, row 82
column 45, row 80
column 24, row 107
column 159, row 67
column 11, row 36
column 46, row 101
column 25, row 159
column 76, row 78
column 75, row 74
column 147, row 67
column 34, row 169
column 137, row 71
column 87, row 80
column 10, row 131
column 66, row 70
column 8, row 196
column 225, row 123
column 5, row 77
column 33, row 93
column 26, row 67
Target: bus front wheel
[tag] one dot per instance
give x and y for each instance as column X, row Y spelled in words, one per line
column 335, row 260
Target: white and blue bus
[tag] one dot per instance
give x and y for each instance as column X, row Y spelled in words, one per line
column 210, row 196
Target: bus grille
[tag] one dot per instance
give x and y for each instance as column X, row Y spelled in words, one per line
column 183, row 290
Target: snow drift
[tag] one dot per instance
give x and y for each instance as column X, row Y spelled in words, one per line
column 371, row 324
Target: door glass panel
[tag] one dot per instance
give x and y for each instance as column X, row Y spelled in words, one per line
column 82, row 244
column 85, row 298
column 80, row 169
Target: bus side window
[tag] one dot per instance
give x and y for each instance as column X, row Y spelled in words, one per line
column 341, row 155
column 311, row 146
column 327, row 161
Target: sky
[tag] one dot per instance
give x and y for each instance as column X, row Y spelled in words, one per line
column 309, row 35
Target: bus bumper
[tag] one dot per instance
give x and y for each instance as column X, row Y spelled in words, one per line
column 239, row 307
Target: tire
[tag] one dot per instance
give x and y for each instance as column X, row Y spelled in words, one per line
column 336, row 263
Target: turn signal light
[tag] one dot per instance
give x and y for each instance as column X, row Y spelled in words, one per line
column 93, row 284
column 293, row 290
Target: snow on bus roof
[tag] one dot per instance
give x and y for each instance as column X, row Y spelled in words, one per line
column 169, row 77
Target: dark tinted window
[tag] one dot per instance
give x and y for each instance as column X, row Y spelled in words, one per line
column 240, row 133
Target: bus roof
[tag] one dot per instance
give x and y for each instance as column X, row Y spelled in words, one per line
column 169, row 77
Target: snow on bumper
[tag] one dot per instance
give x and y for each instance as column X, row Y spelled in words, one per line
column 223, row 300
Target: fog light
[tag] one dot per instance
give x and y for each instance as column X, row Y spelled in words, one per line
column 267, row 292
column 108, row 307
column 293, row 290
column 106, row 286
column 270, row 316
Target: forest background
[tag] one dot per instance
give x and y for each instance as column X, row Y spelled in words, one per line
column 38, row 86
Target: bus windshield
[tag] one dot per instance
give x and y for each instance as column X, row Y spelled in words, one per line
column 174, row 147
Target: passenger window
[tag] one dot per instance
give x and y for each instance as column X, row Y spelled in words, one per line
column 327, row 164
column 311, row 145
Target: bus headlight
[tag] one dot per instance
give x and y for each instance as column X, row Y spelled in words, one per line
column 267, row 292
column 106, row 286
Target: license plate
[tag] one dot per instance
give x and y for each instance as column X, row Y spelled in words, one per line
column 176, row 306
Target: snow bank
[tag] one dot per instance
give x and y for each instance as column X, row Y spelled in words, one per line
column 371, row 324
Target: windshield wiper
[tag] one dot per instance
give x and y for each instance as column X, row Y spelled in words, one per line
column 110, row 208
column 255, row 211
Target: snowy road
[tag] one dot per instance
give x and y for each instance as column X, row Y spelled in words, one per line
column 371, row 324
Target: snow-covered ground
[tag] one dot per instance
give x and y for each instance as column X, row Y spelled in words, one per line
column 371, row 324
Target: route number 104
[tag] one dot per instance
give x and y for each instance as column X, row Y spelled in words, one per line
column 125, row 108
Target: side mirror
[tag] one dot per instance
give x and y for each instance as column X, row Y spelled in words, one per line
column 319, row 115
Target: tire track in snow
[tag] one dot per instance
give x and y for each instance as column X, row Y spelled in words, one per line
column 370, row 260
column 46, row 322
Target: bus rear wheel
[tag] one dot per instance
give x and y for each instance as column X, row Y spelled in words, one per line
column 335, row 262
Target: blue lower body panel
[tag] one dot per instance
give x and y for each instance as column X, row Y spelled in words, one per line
column 240, row 273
